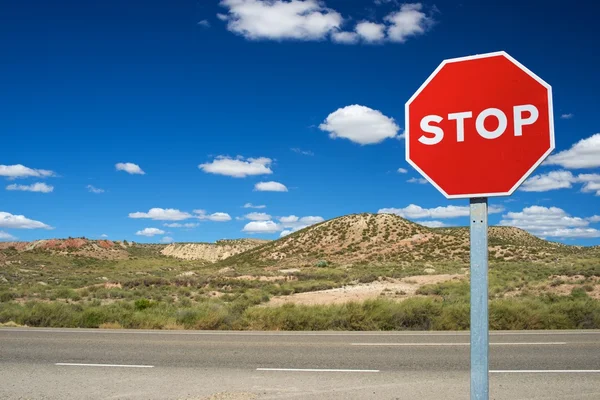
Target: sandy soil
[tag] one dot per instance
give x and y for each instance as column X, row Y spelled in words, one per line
column 210, row 251
column 390, row 288
column 266, row 278
column 227, row 396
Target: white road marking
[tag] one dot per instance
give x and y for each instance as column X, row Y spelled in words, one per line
column 462, row 344
column 314, row 333
column 545, row 371
column 410, row 344
column 104, row 365
column 529, row 344
column 316, row 370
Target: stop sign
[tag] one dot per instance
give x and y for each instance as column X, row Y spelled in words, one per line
column 479, row 126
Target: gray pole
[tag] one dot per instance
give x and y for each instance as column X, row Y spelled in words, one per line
column 479, row 300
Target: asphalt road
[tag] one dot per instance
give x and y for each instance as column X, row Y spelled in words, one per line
column 120, row 364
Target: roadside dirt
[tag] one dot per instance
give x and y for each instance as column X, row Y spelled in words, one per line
column 265, row 278
column 227, row 396
column 390, row 288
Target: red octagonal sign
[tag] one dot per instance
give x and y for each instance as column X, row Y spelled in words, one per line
column 479, row 126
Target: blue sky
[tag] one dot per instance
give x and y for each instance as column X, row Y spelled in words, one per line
column 119, row 118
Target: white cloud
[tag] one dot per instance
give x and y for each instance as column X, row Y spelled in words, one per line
column 285, row 233
column 238, row 167
column 270, row 187
column 162, row 214
column 130, row 168
column 591, row 183
column 583, row 154
column 433, row 224
column 550, row 181
column 219, row 217
column 294, row 223
column 104, row 235
column 409, row 21
column 8, row 220
column 595, row 218
column 420, row 181
column 402, row 171
column 250, row 205
column 567, row 116
column 216, row 217
column 536, row 218
column 166, row 239
column 150, row 232
column 549, row 222
column 21, row 171
column 345, row 37
column 311, row 20
column 414, row 211
column 281, row 20
column 380, row 2
column 6, row 236
column 178, row 225
column 370, row 31
column 261, row 227
column 204, row 23
column 289, row 219
column 562, row 180
column 93, row 189
column 35, row 187
column 360, row 124
column 572, row 233
column 303, row 152
column 258, row 216
column 286, row 225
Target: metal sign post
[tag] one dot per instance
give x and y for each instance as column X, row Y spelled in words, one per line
column 479, row 299
column 448, row 138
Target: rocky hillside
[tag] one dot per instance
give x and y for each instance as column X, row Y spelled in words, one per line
column 384, row 238
column 211, row 252
column 120, row 250
column 101, row 249
column 351, row 239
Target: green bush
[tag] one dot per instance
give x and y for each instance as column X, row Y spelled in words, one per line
column 579, row 293
column 204, row 316
column 6, row 297
column 142, row 304
column 545, row 312
column 65, row 293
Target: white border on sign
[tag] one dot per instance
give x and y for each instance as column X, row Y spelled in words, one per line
column 475, row 57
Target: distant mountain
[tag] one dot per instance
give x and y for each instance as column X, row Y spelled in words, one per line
column 351, row 239
column 102, row 249
column 385, row 238
column 212, row 252
column 116, row 250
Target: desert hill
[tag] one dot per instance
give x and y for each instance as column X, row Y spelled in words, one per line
column 120, row 250
column 350, row 239
column 212, row 252
column 101, row 249
column 383, row 238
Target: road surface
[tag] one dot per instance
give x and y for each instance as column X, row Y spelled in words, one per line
column 186, row 365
